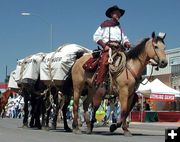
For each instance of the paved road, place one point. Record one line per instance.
(10, 131)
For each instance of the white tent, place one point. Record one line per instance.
(144, 87)
(160, 88)
(157, 87)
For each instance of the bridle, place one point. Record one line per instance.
(155, 47)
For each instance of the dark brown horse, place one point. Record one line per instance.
(125, 82)
(58, 97)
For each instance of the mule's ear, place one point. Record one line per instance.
(153, 35)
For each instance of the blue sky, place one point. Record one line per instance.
(75, 21)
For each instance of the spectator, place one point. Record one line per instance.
(146, 106)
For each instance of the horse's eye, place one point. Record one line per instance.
(156, 47)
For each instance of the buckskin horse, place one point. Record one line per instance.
(125, 82)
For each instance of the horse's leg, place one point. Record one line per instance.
(38, 103)
(64, 110)
(3, 112)
(43, 122)
(32, 101)
(43, 115)
(46, 110)
(1, 109)
(56, 108)
(97, 98)
(77, 92)
(26, 111)
(55, 115)
(132, 100)
(123, 98)
(35, 112)
(86, 104)
(47, 116)
(93, 119)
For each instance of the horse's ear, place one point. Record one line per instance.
(162, 35)
(153, 35)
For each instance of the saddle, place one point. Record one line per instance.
(91, 64)
(117, 61)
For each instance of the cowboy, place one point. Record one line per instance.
(109, 35)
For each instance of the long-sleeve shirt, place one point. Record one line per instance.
(101, 36)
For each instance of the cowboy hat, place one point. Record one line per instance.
(113, 8)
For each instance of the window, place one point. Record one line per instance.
(175, 69)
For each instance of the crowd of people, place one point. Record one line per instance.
(109, 107)
(14, 107)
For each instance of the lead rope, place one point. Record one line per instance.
(149, 76)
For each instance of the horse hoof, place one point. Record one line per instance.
(53, 127)
(68, 129)
(46, 128)
(113, 127)
(38, 126)
(92, 126)
(31, 125)
(24, 126)
(127, 134)
(88, 131)
(77, 131)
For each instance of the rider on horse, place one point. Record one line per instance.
(109, 35)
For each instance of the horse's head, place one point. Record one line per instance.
(156, 49)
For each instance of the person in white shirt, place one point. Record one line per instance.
(109, 35)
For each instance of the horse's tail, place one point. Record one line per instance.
(67, 88)
(79, 54)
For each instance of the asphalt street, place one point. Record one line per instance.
(11, 131)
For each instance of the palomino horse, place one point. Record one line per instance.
(125, 83)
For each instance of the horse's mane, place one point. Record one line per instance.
(138, 49)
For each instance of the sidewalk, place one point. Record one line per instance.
(168, 124)
(154, 126)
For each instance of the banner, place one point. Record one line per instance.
(3, 86)
(162, 97)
